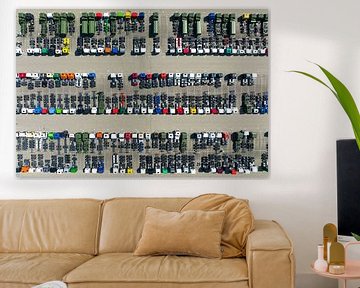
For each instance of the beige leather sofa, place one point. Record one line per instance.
(89, 243)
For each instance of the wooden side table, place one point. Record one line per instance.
(352, 268)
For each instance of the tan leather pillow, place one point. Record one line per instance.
(238, 223)
(195, 233)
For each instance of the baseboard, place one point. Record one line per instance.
(309, 280)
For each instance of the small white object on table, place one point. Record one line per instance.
(52, 284)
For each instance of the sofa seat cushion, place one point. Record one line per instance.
(36, 268)
(242, 284)
(127, 268)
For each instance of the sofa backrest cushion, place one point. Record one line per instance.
(66, 226)
(123, 220)
(238, 224)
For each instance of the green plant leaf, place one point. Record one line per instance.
(357, 137)
(356, 236)
(347, 102)
(344, 97)
(316, 79)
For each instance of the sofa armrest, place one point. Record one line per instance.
(269, 256)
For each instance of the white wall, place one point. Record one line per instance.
(305, 121)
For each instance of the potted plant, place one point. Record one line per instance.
(345, 99)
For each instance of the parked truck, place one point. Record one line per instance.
(155, 24)
(190, 23)
(112, 23)
(91, 18)
(56, 18)
(232, 24)
(43, 24)
(184, 24)
(63, 24)
(22, 22)
(84, 23)
(198, 24)
(70, 17)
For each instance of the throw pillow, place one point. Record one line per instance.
(195, 233)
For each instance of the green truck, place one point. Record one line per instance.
(84, 23)
(184, 23)
(155, 24)
(56, 18)
(232, 24)
(91, 19)
(22, 22)
(43, 24)
(112, 19)
(198, 24)
(63, 24)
